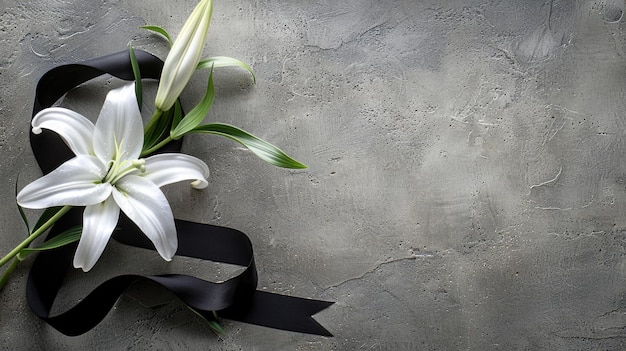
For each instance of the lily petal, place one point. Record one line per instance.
(145, 204)
(99, 221)
(75, 129)
(119, 127)
(76, 182)
(165, 169)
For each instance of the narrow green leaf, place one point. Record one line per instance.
(158, 131)
(159, 30)
(195, 116)
(214, 324)
(178, 114)
(19, 208)
(224, 61)
(24, 219)
(216, 327)
(45, 216)
(261, 148)
(67, 237)
(137, 74)
(151, 132)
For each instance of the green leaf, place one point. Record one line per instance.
(224, 61)
(213, 323)
(137, 74)
(178, 114)
(157, 131)
(45, 216)
(159, 30)
(24, 219)
(67, 237)
(195, 116)
(216, 327)
(19, 208)
(261, 148)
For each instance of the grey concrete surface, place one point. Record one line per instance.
(466, 186)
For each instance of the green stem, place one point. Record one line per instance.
(156, 147)
(7, 273)
(34, 235)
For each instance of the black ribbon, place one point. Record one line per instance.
(236, 299)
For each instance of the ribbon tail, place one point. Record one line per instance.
(280, 312)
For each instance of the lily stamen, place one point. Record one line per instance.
(140, 164)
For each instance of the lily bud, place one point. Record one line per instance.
(184, 56)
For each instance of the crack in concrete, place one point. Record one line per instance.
(549, 181)
(374, 269)
(592, 337)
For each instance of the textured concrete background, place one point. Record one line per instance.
(467, 182)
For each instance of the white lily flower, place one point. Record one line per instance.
(184, 56)
(107, 175)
